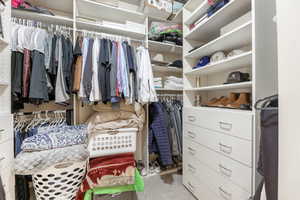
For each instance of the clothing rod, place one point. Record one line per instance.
(109, 35)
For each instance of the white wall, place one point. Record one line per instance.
(288, 18)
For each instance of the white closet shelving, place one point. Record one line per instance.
(59, 20)
(225, 15)
(6, 119)
(247, 84)
(235, 62)
(221, 145)
(161, 47)
(236, 38)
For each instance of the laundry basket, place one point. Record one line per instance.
(59, 182)
(112, 142)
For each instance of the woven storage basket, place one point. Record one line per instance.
(112, 142)
(59, 182)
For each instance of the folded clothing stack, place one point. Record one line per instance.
(173, 82)
(157, 82)
(50, 147)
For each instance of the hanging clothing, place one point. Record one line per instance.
(41, 66)
(147, 91)
(159, 141)
(111, 70)
(268, 158)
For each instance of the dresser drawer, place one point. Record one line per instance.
(196, 187)
(6, 128)
(235, 148)
(224, 166)
(223, 188)
(230, 122)
(7, 168)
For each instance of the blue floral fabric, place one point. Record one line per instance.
(54, 138)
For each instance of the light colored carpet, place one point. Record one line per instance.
(168, 187)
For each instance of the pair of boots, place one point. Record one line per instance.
(234, 101)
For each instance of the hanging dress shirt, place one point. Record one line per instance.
(95, 92)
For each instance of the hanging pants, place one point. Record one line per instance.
(268, 161)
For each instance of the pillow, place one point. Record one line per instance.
(56, 138)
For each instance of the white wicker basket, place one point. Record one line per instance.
(112, 142)
(59, 182)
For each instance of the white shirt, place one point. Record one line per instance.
(85, 44)
(95, 92)
(147, 92)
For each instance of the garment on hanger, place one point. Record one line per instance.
(41, 65)
(112, 69)
(166, 130)
(268, 156)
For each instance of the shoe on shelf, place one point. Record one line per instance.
(243, 102)
(229, 100)
(211, 102)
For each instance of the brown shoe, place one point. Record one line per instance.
(220, 102)
(231, 99)
(212, 101)
(244, 99)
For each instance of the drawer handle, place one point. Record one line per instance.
(191, 118)
(191, 134)
(225, 148)
(225, 171)
(1, 159)
(225, 126)
(226, 195)
(2, 131)
(192, 151)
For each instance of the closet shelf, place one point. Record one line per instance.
(227, 14)
(198, 13)
(59, 20)
(242, 85)
(110, 30)
(164, 69)
(237, 38)
(168, 90)
(103, 11)
(232, 63)
(161, 47)
(239, 111)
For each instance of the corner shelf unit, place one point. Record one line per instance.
(221, 145)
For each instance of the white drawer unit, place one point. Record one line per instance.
(7, 168)
(235, 148)
(6, 127)
(222, 188)
(195, 186)
(234, 123)
(224, 166)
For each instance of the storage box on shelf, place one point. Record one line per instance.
(220, 144)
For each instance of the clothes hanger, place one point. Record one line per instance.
(263, 104)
